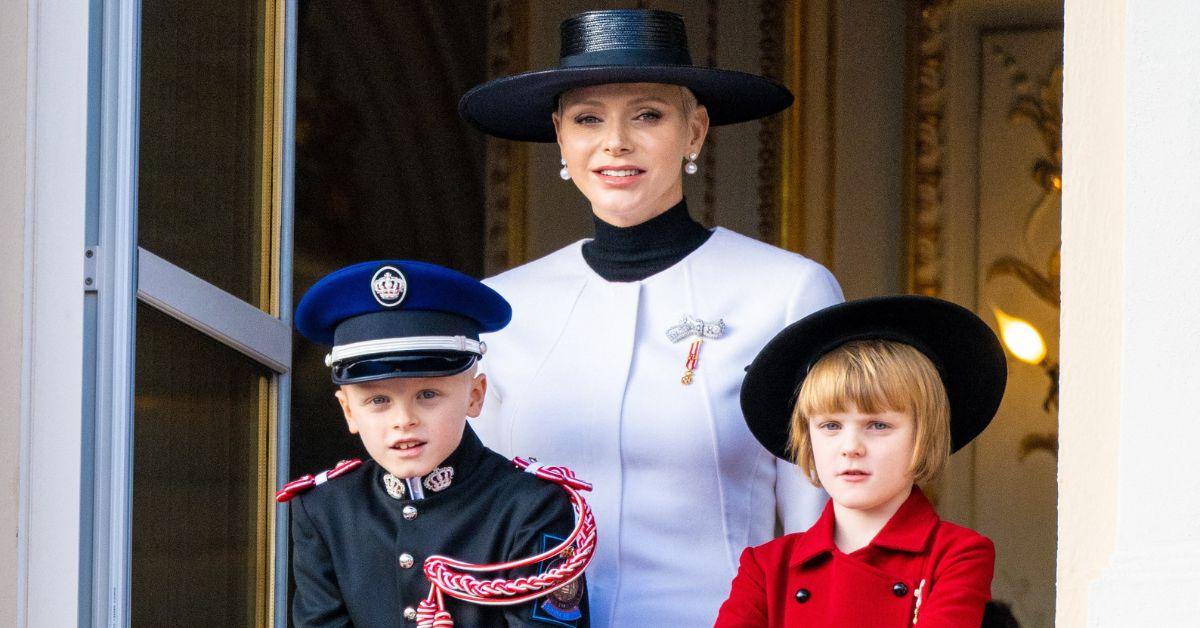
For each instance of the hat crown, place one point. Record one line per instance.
(658, 33)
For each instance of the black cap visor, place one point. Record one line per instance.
(421, 364)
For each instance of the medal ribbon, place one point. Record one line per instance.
(692, 360)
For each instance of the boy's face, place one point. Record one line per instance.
(410, 425)
(862, 459)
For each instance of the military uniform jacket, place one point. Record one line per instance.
(804, 580)
(349, 536)
(586, 376)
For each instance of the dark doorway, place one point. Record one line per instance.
(384, 166)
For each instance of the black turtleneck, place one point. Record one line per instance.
(634, 253)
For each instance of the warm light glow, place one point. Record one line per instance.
(1021, 339)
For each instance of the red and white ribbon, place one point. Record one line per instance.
(306, 482)
(693, 359)
(448, 576)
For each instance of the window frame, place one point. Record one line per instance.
(123, 274)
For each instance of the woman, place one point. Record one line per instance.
(626, 352)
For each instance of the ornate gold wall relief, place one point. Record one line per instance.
(508, 161)
(982, 198)
(927, 103)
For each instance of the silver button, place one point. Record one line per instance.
(406, 560)
(409, 512)
(410, 613)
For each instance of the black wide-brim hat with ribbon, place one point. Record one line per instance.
(617, 46)
(967, 354)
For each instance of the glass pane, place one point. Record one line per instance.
(200, 502)
(200, 184)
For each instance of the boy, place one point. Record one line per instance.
(405, 342)
(869, 398)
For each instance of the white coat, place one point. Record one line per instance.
(586, 377)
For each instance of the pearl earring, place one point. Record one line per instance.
(566, 176)
(690, 167)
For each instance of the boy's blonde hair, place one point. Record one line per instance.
(873, 376)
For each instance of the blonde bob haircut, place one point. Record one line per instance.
(873, 376)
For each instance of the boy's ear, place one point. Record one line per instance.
(344, 401)
(477, 394)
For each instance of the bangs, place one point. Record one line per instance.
(866, 376)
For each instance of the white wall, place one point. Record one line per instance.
(1092, 298)
(1128, 524)
(52, 374)
(13, 25)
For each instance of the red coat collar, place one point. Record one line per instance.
(908, 530)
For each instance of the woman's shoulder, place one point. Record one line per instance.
(760, 267)
(565, 264)
(728, 244)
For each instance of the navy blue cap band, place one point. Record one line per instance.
(401, 324)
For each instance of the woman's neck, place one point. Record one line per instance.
(854, 528)
(634, 253)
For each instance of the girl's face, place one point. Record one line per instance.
(863, 460)
(625, 146)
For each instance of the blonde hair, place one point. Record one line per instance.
(873, 376)
(688, 101)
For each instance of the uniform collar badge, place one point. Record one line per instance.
(394, 486)
(439, 479)
(389, 286)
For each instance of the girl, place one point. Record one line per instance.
(887, 389)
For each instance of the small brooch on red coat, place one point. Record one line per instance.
(307, 482)
(688, 327)
(918, 594)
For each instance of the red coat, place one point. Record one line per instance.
(802, 579)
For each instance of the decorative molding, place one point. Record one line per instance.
(792, 138)
(831, 150)
(782, 167)
(506, 183)
(770, 45)
(927, 135)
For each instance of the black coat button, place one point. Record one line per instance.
(899, 589)
(802, 595)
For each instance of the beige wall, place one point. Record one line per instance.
(1093, 218)
(13, 25)
(1128, 546)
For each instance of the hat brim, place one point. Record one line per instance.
(969, 358)
(399, 365)
(519, 107)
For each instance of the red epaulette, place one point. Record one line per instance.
(304, 483)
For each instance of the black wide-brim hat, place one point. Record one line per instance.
(617, 46)
(967, 354)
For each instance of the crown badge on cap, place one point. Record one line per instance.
(389, 286)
